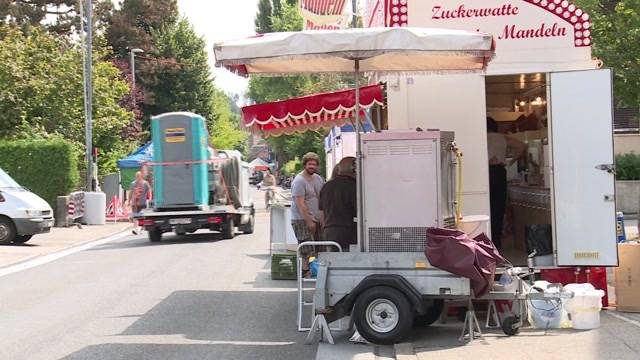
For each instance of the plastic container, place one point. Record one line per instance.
(584, 308)
(95, 208)
(547, 313)
(283, 266)
(474, 225)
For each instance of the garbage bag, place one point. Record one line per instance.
(454, 251)
(538, 238)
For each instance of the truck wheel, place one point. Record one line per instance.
(7, 231)
(249, 227)
(383, 315)
(432, 315)
(228, 229)
(155, 235)
(21, 239)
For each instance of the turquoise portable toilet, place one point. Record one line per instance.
(180, 177)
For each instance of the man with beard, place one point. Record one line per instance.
(339, 205)
(305, 212)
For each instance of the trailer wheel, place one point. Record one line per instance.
(155, 235)
(228, 229)
(432, 315)
(249, 227)
(383, 315)
(509, 325)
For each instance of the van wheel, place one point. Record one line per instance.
(7, 231)
(383, 315)
(21, 239)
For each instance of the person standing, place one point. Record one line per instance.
(139, 193)
(497, 149)
(268, 182)
(339, 205)
(305, 211)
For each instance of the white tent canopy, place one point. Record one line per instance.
(357, 50)
(378, 49)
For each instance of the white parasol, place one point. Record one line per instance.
(387, 50)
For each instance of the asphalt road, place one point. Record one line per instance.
(190, 297)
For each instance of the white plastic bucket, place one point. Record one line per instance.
(584, 308)
(474, 225)
(94, 208)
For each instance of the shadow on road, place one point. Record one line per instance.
(167, 239)
(212, 325)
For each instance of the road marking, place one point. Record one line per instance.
(60, 254)
(624, 318)
(182, 340)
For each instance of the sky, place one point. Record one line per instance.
(218, 20)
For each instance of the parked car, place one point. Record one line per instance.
(22, 213)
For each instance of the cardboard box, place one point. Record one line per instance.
(627, 278)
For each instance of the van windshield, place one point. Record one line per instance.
(7, 182)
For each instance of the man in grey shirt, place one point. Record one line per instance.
(306, 216)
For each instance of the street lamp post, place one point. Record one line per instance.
(132, 61)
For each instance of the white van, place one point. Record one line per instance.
(22, 213)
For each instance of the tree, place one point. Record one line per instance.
(263, 17)
(616, 41)
(225, 129)
(41, 92)
(177, 76)
(131, 26)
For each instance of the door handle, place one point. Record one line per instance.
(610, 168)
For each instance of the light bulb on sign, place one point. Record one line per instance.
(522, 103)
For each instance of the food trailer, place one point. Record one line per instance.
(387, 281)
(544, 88)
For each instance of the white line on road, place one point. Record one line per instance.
(181, 340)
(624, 318)
(60, 254)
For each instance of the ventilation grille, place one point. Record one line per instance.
(397, 239)
(421, 149)
(450, 223)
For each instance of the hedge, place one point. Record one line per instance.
(49, 168)
(628, 167)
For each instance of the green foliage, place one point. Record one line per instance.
(224, 127)
(49, 168)
(266, 89)
(41, 91)
(131, 26)
(616, 40)
(628, 167)
(292, 167)
(180, 78)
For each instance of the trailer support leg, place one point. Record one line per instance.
(319, 325)
(493, 320)
(471, 324)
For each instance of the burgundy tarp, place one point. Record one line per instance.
(454, 251)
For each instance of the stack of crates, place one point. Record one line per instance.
(283, 266)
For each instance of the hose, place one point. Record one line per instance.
(458, 196)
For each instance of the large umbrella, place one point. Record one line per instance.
(387, 50)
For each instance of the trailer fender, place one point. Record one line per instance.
(391, 280)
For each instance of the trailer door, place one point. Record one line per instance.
(582, 163)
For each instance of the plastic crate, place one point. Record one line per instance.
(283, 266)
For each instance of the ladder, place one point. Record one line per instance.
(307, 287)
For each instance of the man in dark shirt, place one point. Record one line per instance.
(339, 205)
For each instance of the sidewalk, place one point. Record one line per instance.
(56, 240)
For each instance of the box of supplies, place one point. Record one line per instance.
(627, 278)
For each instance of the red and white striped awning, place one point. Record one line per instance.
(312, 112)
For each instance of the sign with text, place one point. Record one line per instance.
(525, 31)
(324, 14)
